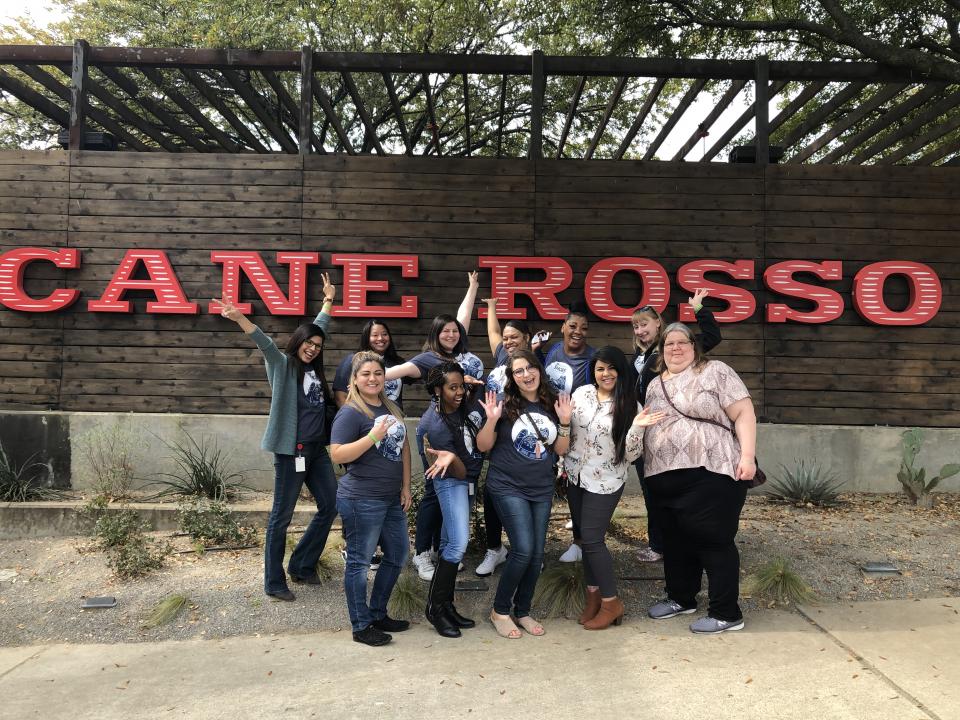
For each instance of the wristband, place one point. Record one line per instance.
(697, 308)
(373, 439)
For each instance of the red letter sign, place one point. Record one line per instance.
(505, 287)
(263, 282)
(829, 304)
(598, 286)
(163, 283)
(742, 304)
(12, 265)
(356, 285)
(926, 293)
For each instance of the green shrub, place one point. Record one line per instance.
(201, 471)
(212, 523)
(107, 453)
(560, 590)
(138, 556)
(913, 479)
(23, 483)
(805, 484)
(114, 529)
(777, 581)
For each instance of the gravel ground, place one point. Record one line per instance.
(41, 602)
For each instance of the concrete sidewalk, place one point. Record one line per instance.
(896, 660)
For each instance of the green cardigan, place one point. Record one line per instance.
(281, 434)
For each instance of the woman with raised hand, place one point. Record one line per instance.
(698, 461)
(448, 432)
(606, 435)
(647, 325)
(446, 342)
(370, 439)
(375, 336)
(297, 434)
(525, 432)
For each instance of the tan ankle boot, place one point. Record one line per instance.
(591, 606)
(611, 612)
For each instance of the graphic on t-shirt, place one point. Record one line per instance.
(312, 388)
(391, 447)
(471, 364)
(560, 376)
(392, 388)
(638, 362)
(497, 379)
(525, 439)
(476, 419)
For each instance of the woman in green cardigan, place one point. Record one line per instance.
(297, 434)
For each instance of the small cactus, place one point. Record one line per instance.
(913, 479)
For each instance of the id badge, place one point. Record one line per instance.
(299, 462)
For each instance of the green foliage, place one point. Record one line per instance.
(409, 597)
(560, 590)
(107, 454)
(211, 523)
(201, 471)
(914, 479)
(138, 556)
(114, 529)
(416, 493)
(165, 611)
(805, 483)
(92, 510)
(23, 483)
(330, 564)
(776, 581)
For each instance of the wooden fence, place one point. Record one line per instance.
(449, 212)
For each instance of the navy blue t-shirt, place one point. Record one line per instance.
(426, 361)
(311, 410)
(567, 372)
(521, 465)
(443, 437)
(393, 389)
(378, 473)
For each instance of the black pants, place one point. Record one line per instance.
(493, 528)
(699, 512)
(592, 513)
(654, 533)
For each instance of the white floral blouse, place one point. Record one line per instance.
(589, 462)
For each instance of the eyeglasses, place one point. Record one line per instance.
(312, 344)
(520, 372)
(682, 344)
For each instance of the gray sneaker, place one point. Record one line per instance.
(712, 626)
(668, 609)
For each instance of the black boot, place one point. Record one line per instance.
(459, 620)
(441, 587)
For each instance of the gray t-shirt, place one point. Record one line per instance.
(378, 473)
(520, 464)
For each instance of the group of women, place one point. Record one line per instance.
(568, 408)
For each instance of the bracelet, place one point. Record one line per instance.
(563, 431)
(564, 425)
(373, 438)
(327, 302)
(697, 308)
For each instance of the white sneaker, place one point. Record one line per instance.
(424, 565)
(573, 554)
(491, 560)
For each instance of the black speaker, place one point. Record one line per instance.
(748, 154)
(91, 140)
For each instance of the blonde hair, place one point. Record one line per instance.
(651, 312)
(355, 399)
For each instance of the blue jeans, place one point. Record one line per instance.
(429, 519)
(322, 484)
(364, 522)
(526, 524)
(455, 506)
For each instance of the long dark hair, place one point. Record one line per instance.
(624, 397)
(390, 355)
(300, 336)
(436, 379)
(433, 337)
(513, 400)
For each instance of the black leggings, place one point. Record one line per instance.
(592, 513)
(493, 528)
(699, 512)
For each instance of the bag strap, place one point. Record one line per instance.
(536, 429)
(691, 417)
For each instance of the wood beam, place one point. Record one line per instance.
(328, 110)
(685, 101)
(607, 113)
(809, 92)
(220, 137)
(500, 113)
(571, 113)
(213, 97)
(738, 124)
(295, 110)
(397, 111)
(78, 93)
(645, 109)
(255, 103)
(466, 112)
(432, 115)
(761, 138)
(38, 102)
(948, 148)
(813, 120)
(368, 127)
(927, 115)
(931, 135)
(538, 88)
(703, 128)
(306, 135)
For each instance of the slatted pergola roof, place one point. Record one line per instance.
(201, 100)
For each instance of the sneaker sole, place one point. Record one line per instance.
(689, 611)
(732, 628)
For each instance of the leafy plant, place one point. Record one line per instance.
(560, 589)
(913, 479)
(113, 529)
(806, 483)
(409, 597)
(23, 483)
(202, 471)
(165, 611)
(108, 457)
(212, 523)
(777, 580)
(137, 556)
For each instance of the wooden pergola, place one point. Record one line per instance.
(205, 100)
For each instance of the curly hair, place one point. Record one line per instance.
(513, 400)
